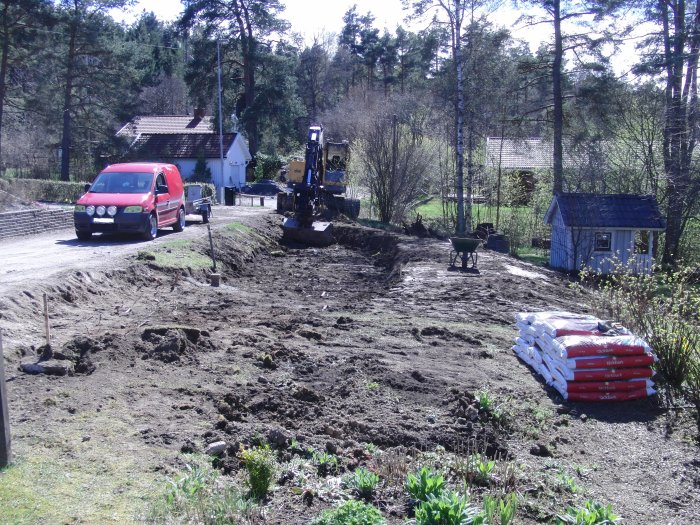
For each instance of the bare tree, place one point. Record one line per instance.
(396, 156)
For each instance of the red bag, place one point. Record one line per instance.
(608, 396)
(610, 374)
(612, 361)
(607, 386)
(569, 347)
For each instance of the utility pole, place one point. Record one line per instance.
(221, 123)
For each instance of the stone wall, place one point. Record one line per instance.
(29, 222)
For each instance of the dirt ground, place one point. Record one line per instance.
(371, 349)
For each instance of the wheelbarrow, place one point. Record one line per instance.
(465, 249)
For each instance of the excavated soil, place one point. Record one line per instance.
(372, 350)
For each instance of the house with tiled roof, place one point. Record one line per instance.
(603, 231)
(182, 140)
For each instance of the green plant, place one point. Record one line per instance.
(351, 512)
(372, 386)
(483, 467)
(447, 508)
(363, 482)
(568, 482)
(424, 484)
(590, 514)
(196, 495)
(325, 463)
(500, 510)
(260, 465)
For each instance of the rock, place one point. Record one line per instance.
(583, 417)
(331, 447)
(461, 421)
(541, 450)
(86, 438)
(471, 413)
(52, 367)
(216, 449)
(418, 376)
(262, 380)
(561, 409)
(431, 419)
(279, 437)
(31, 368)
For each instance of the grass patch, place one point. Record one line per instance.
(63, 478)
(178, 253)
(238, 227)
(534, 256)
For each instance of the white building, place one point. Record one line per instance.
(182, 140)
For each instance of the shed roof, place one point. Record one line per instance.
(182, 145)
(513, 154)
(167, 124)
(590, 210)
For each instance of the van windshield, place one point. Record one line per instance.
(122, 182)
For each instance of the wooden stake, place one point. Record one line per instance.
(5, 451)
(46, 320)
(211, 245)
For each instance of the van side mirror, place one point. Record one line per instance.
(87, 187)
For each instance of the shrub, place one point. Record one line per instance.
(260, 465)
(424, 484)
(46, 190)
(662, 308)
(351, 512)
(363, 482)
(448, 508)
(590, 514)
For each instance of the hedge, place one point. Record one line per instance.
(64, 192)
(46, 190)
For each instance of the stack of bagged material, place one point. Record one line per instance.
(584, 358)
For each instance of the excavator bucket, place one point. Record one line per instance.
(318, 234)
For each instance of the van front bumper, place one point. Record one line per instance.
(120, 223)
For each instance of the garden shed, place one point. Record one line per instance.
(600, 231)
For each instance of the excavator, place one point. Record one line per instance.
(318, 185)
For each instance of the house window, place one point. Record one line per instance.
(603, 241)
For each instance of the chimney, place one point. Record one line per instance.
(199, 113)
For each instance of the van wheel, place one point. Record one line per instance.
(180, 224)
(83, 236)
(205, 215)
(152, 230)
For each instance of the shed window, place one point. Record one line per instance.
(603, 241)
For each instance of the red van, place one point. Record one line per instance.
(136, 197)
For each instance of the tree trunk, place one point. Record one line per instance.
(557, 153)
(248, 51)
(67, 106)
(3, 67)
(681, 119)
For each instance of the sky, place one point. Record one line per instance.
(312, 18)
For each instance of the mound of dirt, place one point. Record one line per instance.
(174, 344)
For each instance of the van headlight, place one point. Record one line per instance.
(90, 210)
(133, 209)
(112, 211)
(79, 208)
(100, 210)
